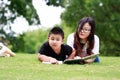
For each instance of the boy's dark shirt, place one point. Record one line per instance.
(66, 50)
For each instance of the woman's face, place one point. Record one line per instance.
(85, 31)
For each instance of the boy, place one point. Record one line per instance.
(5, 51)
(54, 50)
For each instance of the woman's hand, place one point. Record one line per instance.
(89, 60)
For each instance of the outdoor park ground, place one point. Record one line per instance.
(27, 67)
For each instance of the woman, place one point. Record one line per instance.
(84, 40)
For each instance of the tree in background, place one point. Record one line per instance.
(106, 15)
(12, 9)
(9, 11)
(34, 39)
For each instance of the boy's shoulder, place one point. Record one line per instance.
(45, 44)
(66, 46)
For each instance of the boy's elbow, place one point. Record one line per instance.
(39, 57)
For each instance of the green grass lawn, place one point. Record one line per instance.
(27, 67)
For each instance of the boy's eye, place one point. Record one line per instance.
(57, 39)
(52, 39)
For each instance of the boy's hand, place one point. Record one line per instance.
(53, 61)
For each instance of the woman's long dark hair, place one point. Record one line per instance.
(77, 45)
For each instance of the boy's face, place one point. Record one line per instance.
(55, 41)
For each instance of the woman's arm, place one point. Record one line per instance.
(95, 49)
(72, 55)
(89, 60)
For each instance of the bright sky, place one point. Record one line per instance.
(49, 16)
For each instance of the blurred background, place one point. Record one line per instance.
(24, 24)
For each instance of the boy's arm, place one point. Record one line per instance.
(45, 58)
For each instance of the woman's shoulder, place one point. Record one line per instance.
(70, 36)
(96, 37)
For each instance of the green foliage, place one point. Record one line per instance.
(74, 12)
(67, 31)
(27, 67)
(106, 15)
(9, 11)
(26, 9)
(17, 43)
(34, 39)
(12, 9)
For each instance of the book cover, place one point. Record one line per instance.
(73, 61)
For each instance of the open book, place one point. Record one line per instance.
(72, 61)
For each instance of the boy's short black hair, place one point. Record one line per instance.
(57, 30)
